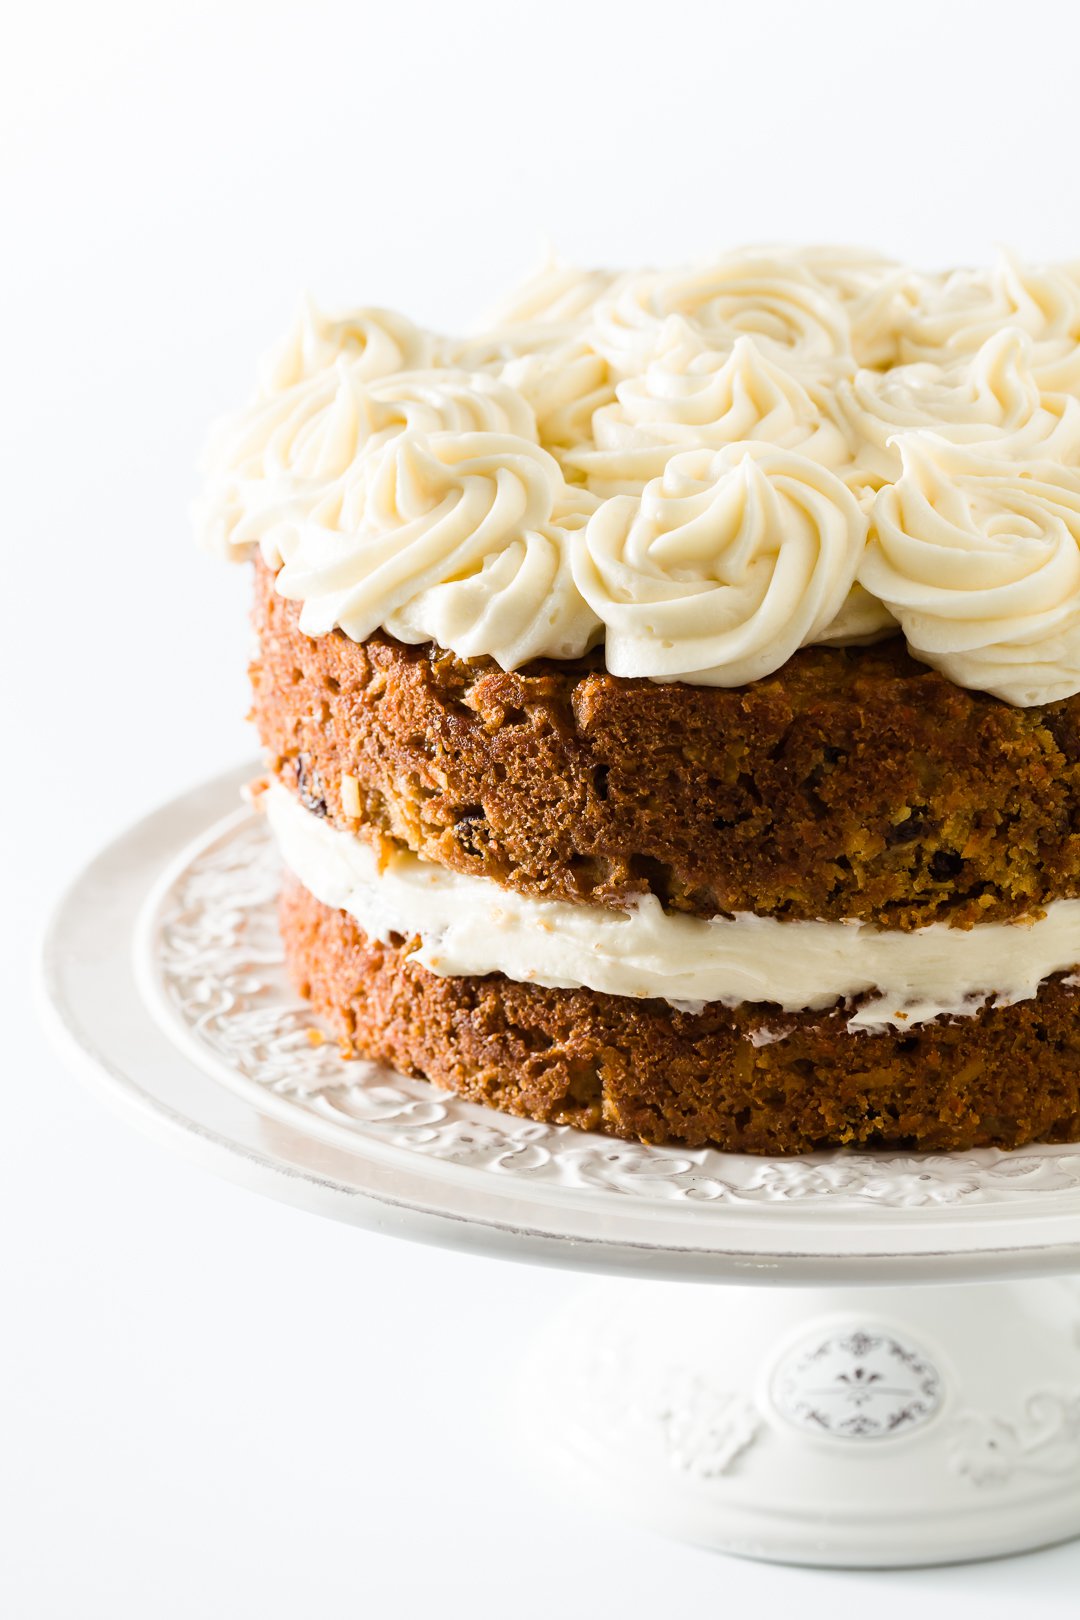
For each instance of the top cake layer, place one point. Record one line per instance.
(704, 470)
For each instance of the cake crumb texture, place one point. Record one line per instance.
(854, 782)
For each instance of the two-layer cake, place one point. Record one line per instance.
(669, 695)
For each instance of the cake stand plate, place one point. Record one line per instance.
(868, 1416)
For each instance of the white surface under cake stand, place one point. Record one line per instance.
(916, 1399)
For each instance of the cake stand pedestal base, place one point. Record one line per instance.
(853, 1427)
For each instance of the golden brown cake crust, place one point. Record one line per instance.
(852, 783)
(1003, 1076)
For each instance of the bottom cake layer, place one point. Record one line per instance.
(748, 1079)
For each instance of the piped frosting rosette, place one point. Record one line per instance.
(460, 538)
(730, 562)
(876, 294)
(269, 465)
(980, 563)
(545, 320)
(565, 386)
(694, 396)
(772, 299)
(956, 313)
(556, 293)
(377, 341)
(990, 398)
(537, 342)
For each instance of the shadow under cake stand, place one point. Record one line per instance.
(845, 1409)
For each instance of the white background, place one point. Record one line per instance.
(214, 1406)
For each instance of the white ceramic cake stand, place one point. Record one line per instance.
(878, 1414)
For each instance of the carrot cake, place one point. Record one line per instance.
(671, 695)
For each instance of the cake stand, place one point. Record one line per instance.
(849, 1358)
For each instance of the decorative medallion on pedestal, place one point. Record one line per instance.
(856, 1384)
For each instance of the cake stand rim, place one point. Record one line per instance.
(229, 1136)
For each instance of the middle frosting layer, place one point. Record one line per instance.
(470, 926)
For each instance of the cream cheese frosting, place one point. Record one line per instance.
(767, 296)
(693, 397)
(726, 565)
(270, 467)
(955, 314)
(465, 925)
(566, 386)
(378, 341)
(459, 538)
(980, 563)
(990, 399)
(525, 491)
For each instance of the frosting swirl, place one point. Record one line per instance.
(268, 466)
(876, 294)
(769, 298)
(461, 538)
(378, 341)
(957, 313)
(565, 386)
(692, 396)
(729, 563)
(980, 563)
(547, 315)
(557, 292)
(989, 399)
